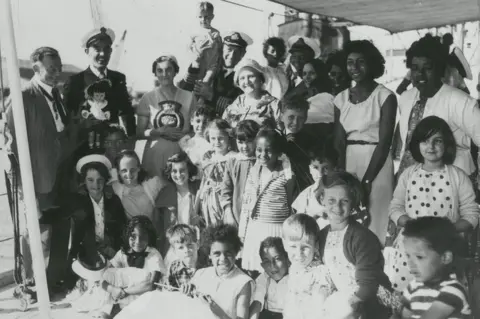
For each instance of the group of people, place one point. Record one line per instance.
(259, 189)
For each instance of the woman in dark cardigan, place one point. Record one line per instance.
(351, 252)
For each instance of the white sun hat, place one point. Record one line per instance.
(91, 159)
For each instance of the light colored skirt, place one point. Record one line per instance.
(257, 231)
(358, 159)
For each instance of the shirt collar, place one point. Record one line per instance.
(97, 73)
(100, 203)
(228, 71)
(43, 85)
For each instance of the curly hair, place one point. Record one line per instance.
(142, 174)
(164, 58)
(431, 48)
(272, 242)
(246, 130)
(337, 58)
(278, 44)
(179, 158)
(144, 224)
(277, 142)
(373, 57)
(222, 233)
(425, 129)
(347, 180)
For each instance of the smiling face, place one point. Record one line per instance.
(249, 81)
(165, 73)
(309, 74)
(49, 69)
(425, 76)
(317, 169)
(95, 183)
(246, 147)
(179, 173)
(294, 120)
(298, 60)
(199, 123)
(264, 152)
(99, 54)
(425, 263)
(272, 55)
(232, 55)
(138, 240)
(205, 18)
(128, 170)
(357, 67)
(218, 140)
(301, 252)
(338, 204)
(222, 256)
(337, 76)
(274, 263)
(433, 148)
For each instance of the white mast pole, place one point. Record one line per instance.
(24, 161)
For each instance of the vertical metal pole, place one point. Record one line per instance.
(25, 164)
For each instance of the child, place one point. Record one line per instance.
(271, 286)
(308, 282)
(431, 246)
(276, 78)
(135, 268)
(218, 134)
(182, 259)
(197, 146)
(115, 141)
(182, 172)
(206, 45)
(323, 160)
(293, 116)
(434, 187)
(236, 172)
(351, 252)
(269, 193)
(130, 183)
(224, 286)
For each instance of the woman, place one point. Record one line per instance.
(430, 96)
(365, 122)
(337, 72)
(162, 140)
(255, 103)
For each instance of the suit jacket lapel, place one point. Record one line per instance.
(42, 105)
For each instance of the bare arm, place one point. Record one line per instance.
(340, 138)
(255, 309)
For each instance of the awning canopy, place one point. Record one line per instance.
(393, 15)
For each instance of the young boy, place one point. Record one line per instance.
(182, 258)
(293, 116)
(205, 46)
(197, 146)
(322, 161)
(431, 246)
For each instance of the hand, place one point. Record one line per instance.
(118, 293)
(202, 89)
(266, 99)
(214, 307)
(188, 289)
(173, 215)
(403, 220)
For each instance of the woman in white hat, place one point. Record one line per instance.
(255, 103)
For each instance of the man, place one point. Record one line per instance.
(302, 50)
(50, 135)
(224, 90)
(98, 47)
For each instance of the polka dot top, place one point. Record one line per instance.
(429, 194)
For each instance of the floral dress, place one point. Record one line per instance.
(209, 193)
(428, 194)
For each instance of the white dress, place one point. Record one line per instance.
(358, 156)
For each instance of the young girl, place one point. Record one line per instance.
(137, 193)
(431, 245)
(272, 285)
(276, 78)
(322, 161)
(218, 134)
(434, 187)
(269, 193)
(351, 252)
(225, 287)
(136, 266)
(236, 172)
(308, 283)
(182, 172)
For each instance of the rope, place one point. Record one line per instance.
(2, 88)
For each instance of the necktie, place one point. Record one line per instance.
(57, 104)
(416, 116)
(136, 259)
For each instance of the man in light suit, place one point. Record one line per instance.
(49, 137)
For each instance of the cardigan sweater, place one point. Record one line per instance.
(362, 248)
(464, 205)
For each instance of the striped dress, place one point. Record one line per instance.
(264, 209)
(419, 297)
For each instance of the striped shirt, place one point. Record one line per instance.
(418, 297)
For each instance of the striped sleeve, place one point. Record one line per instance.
(454, 295)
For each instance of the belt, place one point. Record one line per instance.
(356, 142)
